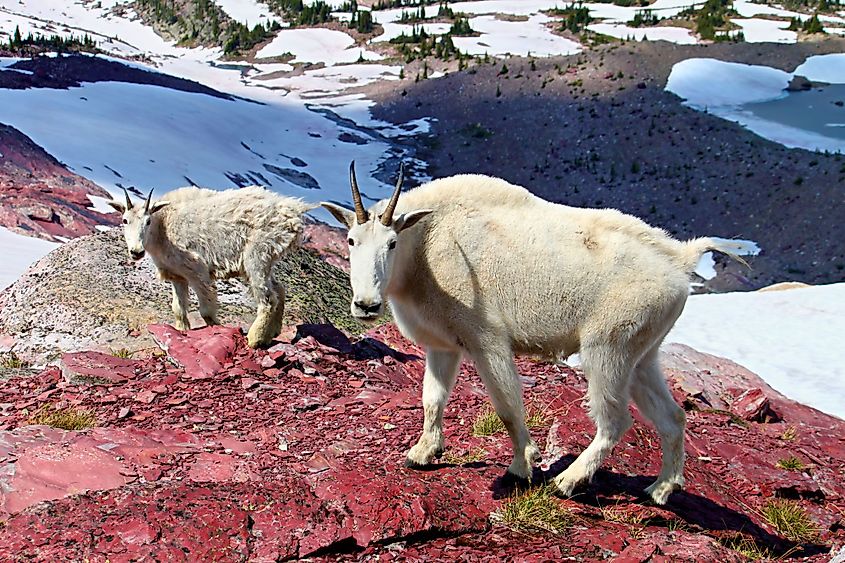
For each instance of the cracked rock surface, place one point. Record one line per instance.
(208, 450)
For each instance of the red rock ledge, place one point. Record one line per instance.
(212, 451)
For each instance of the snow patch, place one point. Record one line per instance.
(500, 38)
(677, 35)
(824, 68)
(248, 12)
(702, 83)
(316, 45)
(776, 334)
(19, 252)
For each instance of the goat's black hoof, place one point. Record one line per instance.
(411, 464)
(513, 481)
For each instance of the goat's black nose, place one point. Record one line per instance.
(368, 307)
(137, 255)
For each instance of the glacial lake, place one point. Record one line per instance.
(813, 110)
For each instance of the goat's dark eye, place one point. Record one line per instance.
(392, 245)
(351, 242)
(125, 221)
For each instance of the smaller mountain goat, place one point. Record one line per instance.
(474, 265)
(196, 236)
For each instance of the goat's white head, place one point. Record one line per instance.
(373, 244)
(136, 222)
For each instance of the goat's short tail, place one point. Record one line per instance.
(735, 248)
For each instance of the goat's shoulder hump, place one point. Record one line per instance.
(470, 191)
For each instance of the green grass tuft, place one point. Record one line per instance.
(790, 520)
(121, 353)
(747, 547)
(10, 360)
(66, 419)
(536, 510)
(790, 463)
(536, 417)
(487, 423)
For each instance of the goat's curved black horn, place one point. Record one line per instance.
(149, 198)
(360, 212)
(387, 216)
(128, 201)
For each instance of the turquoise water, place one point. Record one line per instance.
(813, 110)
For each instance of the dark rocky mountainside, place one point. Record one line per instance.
(207, 450)
(39, 197)
(598, 130)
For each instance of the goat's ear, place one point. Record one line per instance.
(407, 220)
(117, 206)
(343, 215)
(158, 206)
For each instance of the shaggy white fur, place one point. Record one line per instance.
(196, 236)
(491, 271)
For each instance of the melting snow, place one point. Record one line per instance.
(790, 338)
(19, 252)
(702, 84)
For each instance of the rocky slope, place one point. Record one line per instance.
(40, 197)
(598, 130)
(88, 294)
(209, 450)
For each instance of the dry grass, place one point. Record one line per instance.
(747, 547)
(66, 419)
(790, 520)
(488, 423)
(622, 516)
(789, 434)
(122, 353)
(790, 463)
(476, 454)
(536, 417)
(534, 510)
(10, 360)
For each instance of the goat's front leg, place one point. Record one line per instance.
(441, 370)
(498, 372)
(180, 303)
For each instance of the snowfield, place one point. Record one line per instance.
(17, 252)
(790, 338)
(677, 35)
(248, 12)
(151, 137)
(316, 45)
(529, 38)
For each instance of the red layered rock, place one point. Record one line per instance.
(39, 196)
(297, 451)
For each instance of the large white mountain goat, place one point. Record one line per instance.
(196, 236)
(474, 265)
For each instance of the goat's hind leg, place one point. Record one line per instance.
(441, 370)
(655, 402)
(258, 265)
(498, 372)
(180, 303)
(274, 326)
(207, 297)
(608, 374)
